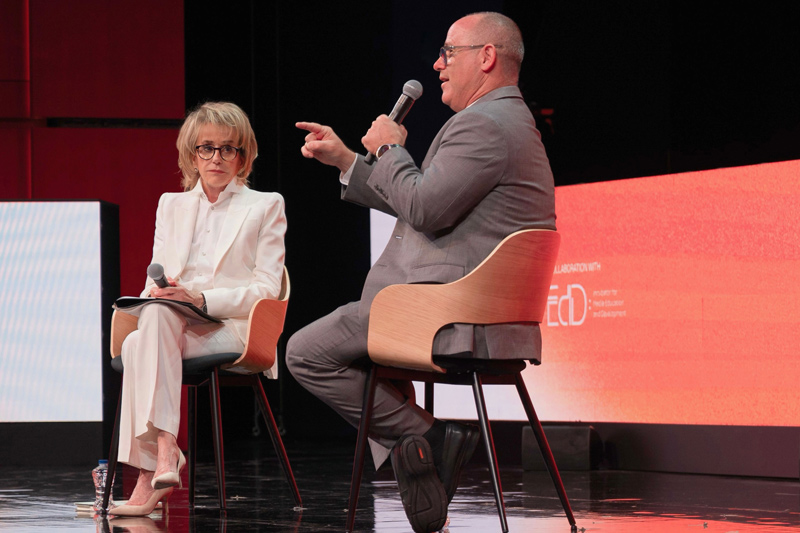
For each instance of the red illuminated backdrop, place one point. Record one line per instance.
(676, 300)
(90, 97)
(94, 63)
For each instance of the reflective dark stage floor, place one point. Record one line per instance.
(260, 500)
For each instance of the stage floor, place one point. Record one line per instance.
(34, 500)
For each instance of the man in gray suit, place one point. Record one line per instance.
(485, 176)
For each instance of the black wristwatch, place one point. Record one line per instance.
(385, 148)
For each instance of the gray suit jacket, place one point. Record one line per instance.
(485, 176)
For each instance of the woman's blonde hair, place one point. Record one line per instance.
(223, 114)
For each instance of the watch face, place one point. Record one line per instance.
(384, 148)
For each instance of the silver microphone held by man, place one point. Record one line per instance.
(411, 91)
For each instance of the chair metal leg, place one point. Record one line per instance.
(488, 442)
(361, 446)
(429, 396)
(216, 420)
(544, 446)
(112, 456)
(191, 429)
(275, 435)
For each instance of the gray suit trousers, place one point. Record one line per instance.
(320, 357)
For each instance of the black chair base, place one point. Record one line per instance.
(197, 372)
(475, 375)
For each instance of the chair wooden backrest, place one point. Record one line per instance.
(510, 285)
(264, 328)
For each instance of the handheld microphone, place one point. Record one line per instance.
(411, 91)
(156, 273)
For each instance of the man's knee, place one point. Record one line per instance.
(326, 345)
(306, 359)
(292, 357)
(298, 357)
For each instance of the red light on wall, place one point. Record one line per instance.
(676, 299)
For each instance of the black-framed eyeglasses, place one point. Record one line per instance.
(446, 52)
(226, 152)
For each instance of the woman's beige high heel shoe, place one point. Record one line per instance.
(147, 507)
(171, 478)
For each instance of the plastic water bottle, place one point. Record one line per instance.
(99, 475)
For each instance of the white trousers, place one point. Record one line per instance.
(151, 382)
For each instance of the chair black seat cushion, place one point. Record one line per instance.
(495, 367)
(196, 365)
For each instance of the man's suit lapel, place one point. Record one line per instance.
(237, 212)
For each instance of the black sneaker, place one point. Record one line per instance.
(460, 441)
(424, 498)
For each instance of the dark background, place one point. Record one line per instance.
(92, 94)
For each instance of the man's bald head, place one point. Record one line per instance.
(498, 29)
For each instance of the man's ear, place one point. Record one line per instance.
(488, 58)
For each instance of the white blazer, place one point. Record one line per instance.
(248, 260)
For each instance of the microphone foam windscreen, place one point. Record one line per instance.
(155, 271)
(412, 89)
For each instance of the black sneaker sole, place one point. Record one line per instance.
(423, 495)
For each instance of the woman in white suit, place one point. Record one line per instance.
(222, 249)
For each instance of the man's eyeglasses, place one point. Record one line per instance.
(446, 52)
(226, 152)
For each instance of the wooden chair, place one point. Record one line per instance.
(238, 369)
(511, 285)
